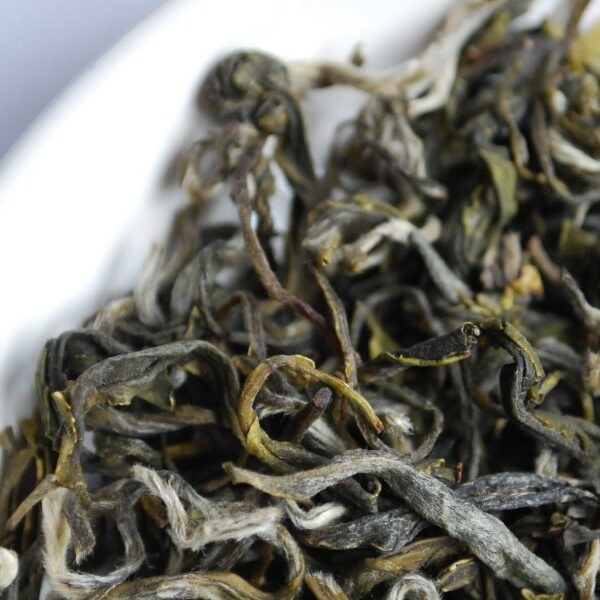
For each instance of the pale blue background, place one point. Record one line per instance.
(45, 44)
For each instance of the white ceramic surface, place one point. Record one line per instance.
(90, 186)
(63, 37)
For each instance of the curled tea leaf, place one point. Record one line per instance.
(491, 541)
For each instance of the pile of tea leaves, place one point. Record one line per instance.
(395, 396)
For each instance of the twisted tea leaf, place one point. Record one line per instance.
(491, 541)
(413, 586)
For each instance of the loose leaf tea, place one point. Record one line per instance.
(394, 396)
